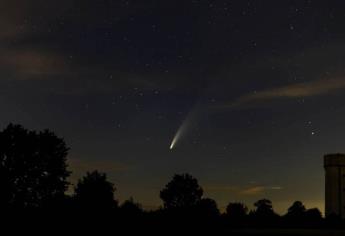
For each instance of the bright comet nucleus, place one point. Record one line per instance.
(182, 129)
(172, 145)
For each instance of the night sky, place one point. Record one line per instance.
(254, 91)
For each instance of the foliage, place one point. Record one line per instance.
(33, 174)
(236, 210)
(33, 168)
(182, 191)
(95, 191)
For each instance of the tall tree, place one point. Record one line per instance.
(182, 191)
(264, 214)
(313, 216)
(131, 208)
(236, 211)
(296, 210)
(94, 191)
(208, 207)
(33, 169)
(264, 207)
(296, 215)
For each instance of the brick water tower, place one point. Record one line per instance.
(335, 184)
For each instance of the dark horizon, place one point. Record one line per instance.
(34, 176)
(247, 96)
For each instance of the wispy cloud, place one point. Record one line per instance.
(297, 90)
(244, 190)
(60, 69)
(26, 64)
(256, 190)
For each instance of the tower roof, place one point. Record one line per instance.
(336, 159)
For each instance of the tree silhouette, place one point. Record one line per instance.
(183, 191)
(32, 167)
(131, 208)
(296, 211)
(313, 217)
(296, 214)
(95, 192)
(236, 211)
(264, 207)
(264, 214)
(208, 207)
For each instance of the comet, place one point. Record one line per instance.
(190, 119)
(172, 145)
(179, 132)
(176, 137)
(297, 90)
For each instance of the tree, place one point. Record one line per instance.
(131, 208)
(236, 211)
(208, 207)
(183, 191)
(296, 214)
(95, 192)
(263, 207)
(313, 216)
(33, 169)
(296, 211)
(264, 213)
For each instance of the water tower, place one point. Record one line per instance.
(335, 184)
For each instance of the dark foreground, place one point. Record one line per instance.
(287, 232)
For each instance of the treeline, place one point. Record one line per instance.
(34, 178)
